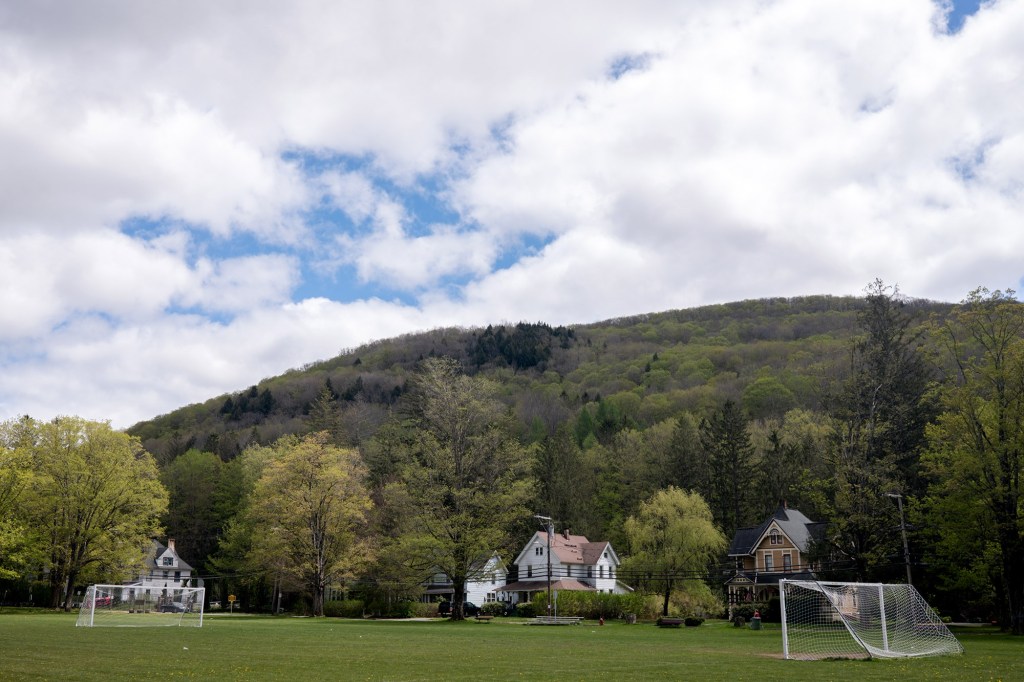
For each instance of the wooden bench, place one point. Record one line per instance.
(556, 620)
(669, 622)
(484, 619)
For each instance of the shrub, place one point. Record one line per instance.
(595, 605)
(527, 609)
(747, 610)
(695, 599)
(349, 608)
(494, 608)
(692, 621)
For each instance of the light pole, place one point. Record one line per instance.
(548, 529)
(903, 532)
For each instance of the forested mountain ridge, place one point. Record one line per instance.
(768, 354)
(434, 449)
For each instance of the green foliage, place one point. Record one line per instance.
(93, 503)
(672, 534)
(592, 605)
(346, 608)
(462, 482)
(976, 453)
(730, 459)
(308, 512)
(493, 608)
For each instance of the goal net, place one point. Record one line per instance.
(136, 606)
(859, 620)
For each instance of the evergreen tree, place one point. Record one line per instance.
(729, 455)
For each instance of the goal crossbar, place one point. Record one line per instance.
(858, 620)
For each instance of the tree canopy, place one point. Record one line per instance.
(672, 538)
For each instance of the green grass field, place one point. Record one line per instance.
(47, 646)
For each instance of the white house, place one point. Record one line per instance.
(576, 564)
(164, 569)
(485, 576)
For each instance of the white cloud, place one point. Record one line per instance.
(754, 148)
(126, 373)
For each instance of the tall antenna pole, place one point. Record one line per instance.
(549, 529)
(903, 531)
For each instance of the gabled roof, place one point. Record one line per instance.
(798, 528)
(479, 568)
(571, 549)
(157, 551)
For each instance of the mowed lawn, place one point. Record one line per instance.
(46, 646)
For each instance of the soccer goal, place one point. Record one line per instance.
(136, 606)
(859, 620)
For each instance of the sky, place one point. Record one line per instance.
(195, 196)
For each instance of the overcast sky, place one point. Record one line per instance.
(195, 196)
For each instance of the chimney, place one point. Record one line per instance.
(170, 544)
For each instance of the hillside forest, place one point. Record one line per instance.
(363, 474)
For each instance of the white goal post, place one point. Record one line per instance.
(137, 606)
(859, 620)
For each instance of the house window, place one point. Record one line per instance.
(166, 574)
(769, 562)
(590, 571)
(787, 562)
(529, 571)
(601, 571)
(177, 576)
(776, 539)
(168, 561)
(568, 570)
(539, 551)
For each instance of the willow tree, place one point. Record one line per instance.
(672, 540)
(309, 510)
(976, 448)
(95, 502)
(463, 481)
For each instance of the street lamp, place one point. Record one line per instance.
(903, 532)
(548, 529)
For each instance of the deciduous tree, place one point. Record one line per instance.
(464, 479)
(672, 539)
(96, 500)
(309, 507)
(977, 445)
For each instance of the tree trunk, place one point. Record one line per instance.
(668, 593)
(458, 598)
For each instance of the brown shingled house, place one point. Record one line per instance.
(777, 548)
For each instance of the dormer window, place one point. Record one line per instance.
(539, 551)
(776, 539)
(168, 561)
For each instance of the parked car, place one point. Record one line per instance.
(468, 608)
(214, 604)
(172, 607)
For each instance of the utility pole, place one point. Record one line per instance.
(903, 532)
(548, 529)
